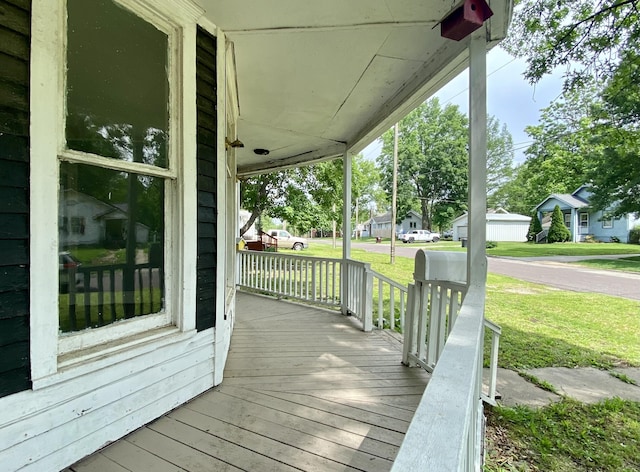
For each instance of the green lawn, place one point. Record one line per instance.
(627, 264)
(562, 249)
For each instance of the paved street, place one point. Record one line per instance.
(552, 271)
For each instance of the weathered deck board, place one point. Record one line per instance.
(304, 389)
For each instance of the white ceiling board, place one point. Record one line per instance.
(370, 92)
(316, 77)
(279, 83)
(240, 15)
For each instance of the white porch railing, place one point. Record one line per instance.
(444, 334)
(446, 432)
(443, 325)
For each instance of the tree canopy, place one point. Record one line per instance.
(432, 163)
(583, 36)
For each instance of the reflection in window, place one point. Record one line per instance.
(117, 84)
(112, 220)
(119, 255)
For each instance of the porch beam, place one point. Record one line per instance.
(346, 224)
(476, 251)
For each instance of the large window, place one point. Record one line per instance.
(116, 169)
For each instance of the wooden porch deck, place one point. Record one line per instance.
(304, 389)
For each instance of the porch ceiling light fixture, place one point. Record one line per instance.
(465, 19)
(261, 151)
(234, 144)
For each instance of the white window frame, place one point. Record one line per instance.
(607, 221)
(567, 219)
(584, 218)
(176, 18)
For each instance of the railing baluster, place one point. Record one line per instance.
(100, 297)
(140, 290)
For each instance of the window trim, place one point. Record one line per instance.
(178, 19)
(607, 222)
(584, 229)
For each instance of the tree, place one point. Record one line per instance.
(535, 227)
(615, 173)
(432, 163)
(499, 159)
(558, 232)
(559, 158)
(582, 35)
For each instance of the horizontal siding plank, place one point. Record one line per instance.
(206, 199)
(14, 356)
(16, 16)
(14, 226)
(14, 252)
(14, 44)
(13, 70)
(14, 174)
(205, 136)
(14, 330)
(206, 41)
(14, 200)
(14, 381)
(14, 278)
(14, 304)
(14, 96)
(14, 122)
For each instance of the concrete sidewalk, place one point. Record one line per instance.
(585, 384)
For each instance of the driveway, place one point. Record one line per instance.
(552, 271)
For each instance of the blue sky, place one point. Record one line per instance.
(510, 98)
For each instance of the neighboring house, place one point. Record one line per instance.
(583, 221)
(501, 226)
(381, 224)
(143, 98)
(86, 221)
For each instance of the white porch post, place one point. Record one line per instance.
(476, 249)
(346, 227)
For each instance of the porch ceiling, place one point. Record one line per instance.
(315, 76)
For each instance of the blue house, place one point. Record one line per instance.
(583, 221)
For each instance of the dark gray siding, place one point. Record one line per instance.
(15, 21)
(207, 198)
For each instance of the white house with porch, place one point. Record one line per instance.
(162, 105)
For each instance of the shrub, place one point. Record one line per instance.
(535, 227)
(558, 232)
(634, 235)
(615, 239)
(491, 244)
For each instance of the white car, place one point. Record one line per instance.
(286, 240)
(420, 235)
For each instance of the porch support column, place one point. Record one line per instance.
(476, 249)
(346, 227)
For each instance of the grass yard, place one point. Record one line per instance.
(544, 327)
(627, 264)
(561, 249)
(566, 436)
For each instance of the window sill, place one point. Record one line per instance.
(91, 359)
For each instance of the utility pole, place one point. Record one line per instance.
(394, 194)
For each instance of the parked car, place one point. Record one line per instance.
(286, 240)
(420, 235)
(67, 265)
